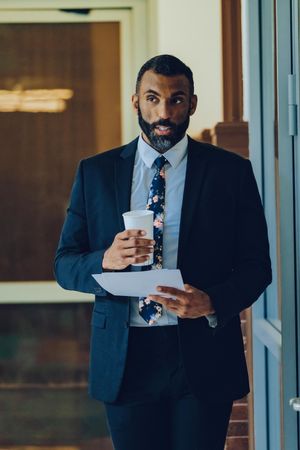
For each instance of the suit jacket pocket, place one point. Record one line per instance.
(98, 320)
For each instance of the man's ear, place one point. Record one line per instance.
(193, 104)
(135, 102)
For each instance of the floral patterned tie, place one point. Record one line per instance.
(149, 310)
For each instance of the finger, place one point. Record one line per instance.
(178, 293)
(172, 308)
(166, 301)
(141, 251)
(126, 234)
(137, 242)
(136, 259)
(189, 288)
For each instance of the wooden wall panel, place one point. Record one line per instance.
(232, 61)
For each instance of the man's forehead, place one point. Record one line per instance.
(152, 81)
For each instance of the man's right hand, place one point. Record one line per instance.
(128, 247)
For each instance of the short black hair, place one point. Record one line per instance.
(167, 65)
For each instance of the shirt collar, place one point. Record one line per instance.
(174, 155)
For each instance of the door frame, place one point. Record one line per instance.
(136, 25)
(292, 367)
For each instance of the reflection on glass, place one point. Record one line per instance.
(273, 305)
(34, 100)
(59, 103)
(277, 321)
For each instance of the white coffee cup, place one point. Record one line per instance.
(140, 219)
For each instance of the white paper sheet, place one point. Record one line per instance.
(139, 284)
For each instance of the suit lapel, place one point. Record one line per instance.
(123, 178)
(195, 173)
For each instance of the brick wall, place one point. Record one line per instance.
(237, 437)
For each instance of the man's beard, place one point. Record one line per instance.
(163, 143)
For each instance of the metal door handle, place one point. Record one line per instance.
(295, 403)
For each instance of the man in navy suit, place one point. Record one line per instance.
(169, 385)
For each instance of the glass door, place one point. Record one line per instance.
(64, 95)
(273, 129)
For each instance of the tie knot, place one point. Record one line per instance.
(160, 162)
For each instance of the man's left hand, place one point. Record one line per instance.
(188, 304)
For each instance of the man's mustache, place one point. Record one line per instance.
(164, 123)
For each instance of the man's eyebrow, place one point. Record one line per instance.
(178, 93)
(174, 94)
(151, 91)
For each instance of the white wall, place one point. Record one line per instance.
(191, 30)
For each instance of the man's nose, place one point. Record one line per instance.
(164, 111)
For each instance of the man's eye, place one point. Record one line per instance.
(151, 98)
(177, 100)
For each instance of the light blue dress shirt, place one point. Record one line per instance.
(143, 174)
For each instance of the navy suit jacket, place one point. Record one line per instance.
(223, 250)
